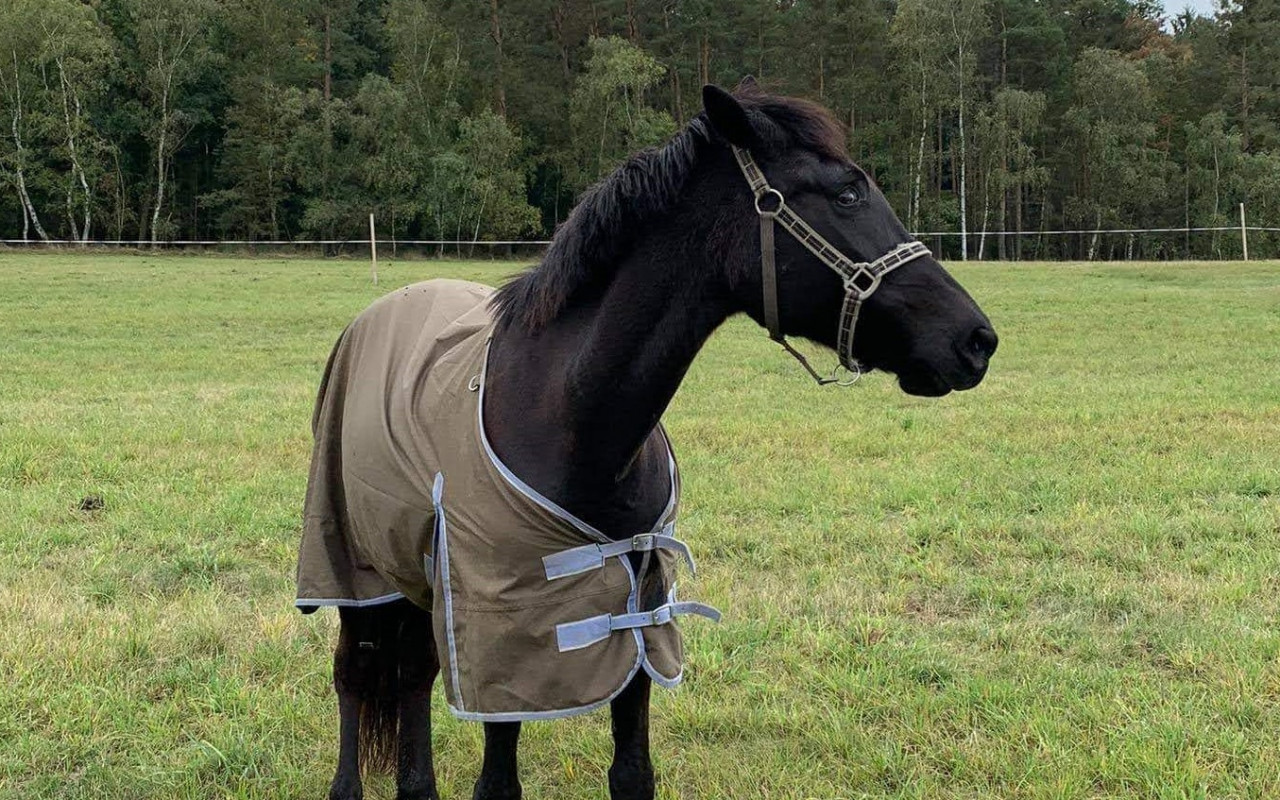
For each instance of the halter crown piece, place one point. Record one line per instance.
(861, 279)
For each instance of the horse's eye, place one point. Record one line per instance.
(848, 196)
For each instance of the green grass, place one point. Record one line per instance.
(1065, 583)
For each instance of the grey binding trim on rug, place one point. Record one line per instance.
(658, 677)
(546, 502)
(663, 680)
(347, 602)
(442, 552)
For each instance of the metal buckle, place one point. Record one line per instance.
(772, 214)
(661, 615)
(644, 542)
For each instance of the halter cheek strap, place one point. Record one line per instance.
(860, 279)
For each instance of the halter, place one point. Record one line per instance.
(861, 279)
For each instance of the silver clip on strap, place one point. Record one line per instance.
(592, 556)
(589, 631)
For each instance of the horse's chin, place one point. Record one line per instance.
(923, 383)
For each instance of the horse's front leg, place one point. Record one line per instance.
(499, 777)
(419, 665)
(631, 776)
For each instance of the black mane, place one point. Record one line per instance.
(603, 225)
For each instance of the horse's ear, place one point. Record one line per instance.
(727, 116)
(748, 84)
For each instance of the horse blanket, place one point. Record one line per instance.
(536, 614)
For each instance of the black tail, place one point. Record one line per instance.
(367, 664)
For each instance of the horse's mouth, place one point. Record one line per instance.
(925, 383)
(928, 382)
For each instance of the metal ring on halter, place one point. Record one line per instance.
(774, 213)
(855, 373)
(851, 283)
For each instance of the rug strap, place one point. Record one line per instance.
(592, 556)
(589, 631)
(429, 557)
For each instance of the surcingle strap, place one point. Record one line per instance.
(592, 556)
(589, 631)
(429, 557)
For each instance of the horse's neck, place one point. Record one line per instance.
(573, 410)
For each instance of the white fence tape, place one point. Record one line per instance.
(544, 243)
(268, 242)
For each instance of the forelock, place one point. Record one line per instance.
(788, 122)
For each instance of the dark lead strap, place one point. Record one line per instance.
(771, 321)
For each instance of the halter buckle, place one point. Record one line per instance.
(774, 212)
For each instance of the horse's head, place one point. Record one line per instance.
(900, 310)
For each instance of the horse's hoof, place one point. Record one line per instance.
(500, 792)
(631, 784)
(346, 792)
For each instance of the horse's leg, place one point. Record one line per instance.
(346, 781)
(351, 683)
(415, 774)
(631, 776)
(499, 777)
(365, 676)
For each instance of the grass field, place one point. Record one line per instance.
(1065, 583)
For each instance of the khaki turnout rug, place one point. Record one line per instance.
(536, 614)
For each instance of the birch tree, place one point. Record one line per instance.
(427, 68)
(915, 34)
(172, 48)
(1006, 130)
(1213, 182)
(265, 64)
(1108, 125)
(492, 149)
(967, 23)
(19, 88)
(607, 108)
(75, 49)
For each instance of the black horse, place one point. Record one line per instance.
(591, 345)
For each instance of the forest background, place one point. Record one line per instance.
(154, 120)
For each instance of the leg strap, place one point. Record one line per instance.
(589, 631)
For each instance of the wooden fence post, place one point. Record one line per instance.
(1244, 234)
(373, 250)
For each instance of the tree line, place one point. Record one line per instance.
(151, 120)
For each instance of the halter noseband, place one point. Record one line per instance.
(861, 279)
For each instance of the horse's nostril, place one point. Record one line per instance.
(983, 342)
